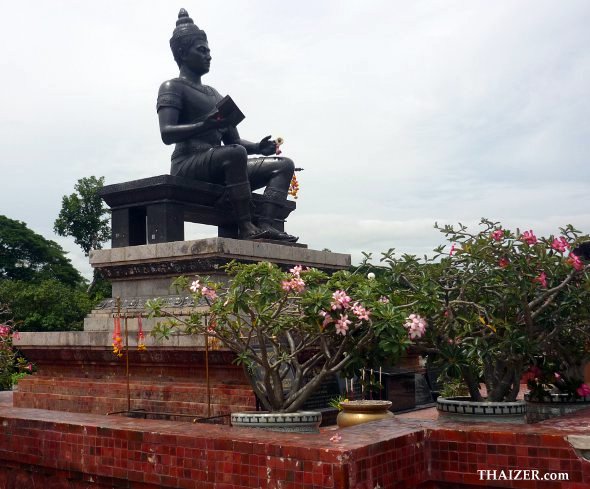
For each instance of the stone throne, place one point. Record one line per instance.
(154, 210)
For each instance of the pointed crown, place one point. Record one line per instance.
(186, 27)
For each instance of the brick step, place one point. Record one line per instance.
(121, 379)
(166, 392)
(104, 405)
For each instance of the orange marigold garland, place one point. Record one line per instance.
(140, 335)
(294, 186)
(117, 340)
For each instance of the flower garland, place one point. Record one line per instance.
(294, 186)
(117, 340)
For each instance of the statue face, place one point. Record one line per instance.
(198, 58)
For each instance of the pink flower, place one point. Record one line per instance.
(560, 244)
(542, 279)
(575, 262)
(16, 335)
(296, 270)
(195, 286)
(29, 367)
(340, 300)
(298, 284)
(416, 326)
(503, 262)
(342, 325)
(336, 438)
(583, 390)
(453, 248)
(327, 319)
(295, 284)
(383, 300)
(360, 311)
(4, 330)
(528, 237)
(557, 375)
(498, 235)
(209, 293)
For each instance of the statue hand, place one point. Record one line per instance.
(215, 122)
(267, 146)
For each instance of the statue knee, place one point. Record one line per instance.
(235, 152)
(234, 158)
(287, 165)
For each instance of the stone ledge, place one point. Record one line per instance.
(220, 248)
(101, 339)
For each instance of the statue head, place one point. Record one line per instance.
(184, 36)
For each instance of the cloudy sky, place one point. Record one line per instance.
(402, 113)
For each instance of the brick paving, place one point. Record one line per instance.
(40, 448)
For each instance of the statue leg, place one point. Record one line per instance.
(229, 164)
(275, 174)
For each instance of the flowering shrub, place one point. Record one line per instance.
(12, 366)
(543, 384)
(292, 329)
(560, 371)
(496, 301)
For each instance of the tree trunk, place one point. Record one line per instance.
(502, 381)
(472, 384)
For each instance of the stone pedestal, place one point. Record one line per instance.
(78, 372)
(146, 271)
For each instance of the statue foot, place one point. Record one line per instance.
(280, 235)
(252, 235)
(289, 237)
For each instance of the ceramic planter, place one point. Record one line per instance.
(463, 409)
(298, 422)
(553, 405)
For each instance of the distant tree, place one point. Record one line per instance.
(48, 305)
(38, 282)
(84, 216)
(28, 256)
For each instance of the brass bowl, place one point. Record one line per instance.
(359, 412)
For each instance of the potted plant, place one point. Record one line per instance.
(289, 330)
(556, 380)
(495, 300)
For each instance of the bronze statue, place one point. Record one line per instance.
(190, 117)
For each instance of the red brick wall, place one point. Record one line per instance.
(457, 455)
(75, 451)
(106, 396)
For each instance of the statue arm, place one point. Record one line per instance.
(169, 107)
(172, 132)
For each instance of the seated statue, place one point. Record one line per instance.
(186, 112)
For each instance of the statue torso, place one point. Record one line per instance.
(194, 103)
